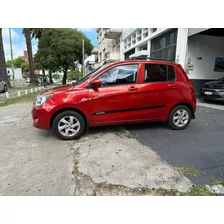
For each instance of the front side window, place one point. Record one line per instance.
(159, 73)
(124, 74)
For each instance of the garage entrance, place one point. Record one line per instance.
(205, 57)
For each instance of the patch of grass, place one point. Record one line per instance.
(190, 171)
(199, 190)
(24, 98)
(119, 131)
(217, 181)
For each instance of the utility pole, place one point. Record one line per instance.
(83, 58)
(13, 73)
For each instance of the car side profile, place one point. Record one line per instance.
(129, 91)
(3, 86)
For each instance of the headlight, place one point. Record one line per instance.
(221, 93)
(40, 99)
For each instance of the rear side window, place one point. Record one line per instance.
(159, 73)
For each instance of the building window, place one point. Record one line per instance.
(154, 30)
(143, 47)
(146, 34)
(127, 54)
(164, 46)
(159, 73)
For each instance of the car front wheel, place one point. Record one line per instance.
(68, 125)
(180, 117)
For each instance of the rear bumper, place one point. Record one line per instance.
(41, 118)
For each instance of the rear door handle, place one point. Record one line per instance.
(132, 88)
(172, 86)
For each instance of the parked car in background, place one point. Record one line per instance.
(3, 86)
(213, 90)
(129, 91)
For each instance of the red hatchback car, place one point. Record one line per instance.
(129, 91)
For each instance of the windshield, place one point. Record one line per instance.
(92, 73)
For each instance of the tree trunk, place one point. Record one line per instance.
(50, 77)
(30, 55)
(64, 77)
(3, 70)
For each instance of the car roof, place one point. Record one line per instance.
(144, 61)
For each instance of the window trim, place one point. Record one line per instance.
(167, 66)
(138, 64)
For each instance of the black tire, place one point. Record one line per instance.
(5, 89)
(66, 113)
(172, 113)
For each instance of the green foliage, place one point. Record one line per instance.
(74, 75)
(59, 49)
(56, 76)
(17, 62)
(190, 171)
(217, 181)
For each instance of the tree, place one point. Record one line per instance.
(60, 49)
(17, 62)
(27, 33)
(3, 71)
(36, 32)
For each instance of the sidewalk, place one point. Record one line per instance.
(16, 93)
(213, 105)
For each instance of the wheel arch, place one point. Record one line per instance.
(69, 108)
(187, 105)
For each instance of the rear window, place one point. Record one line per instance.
(159, 73)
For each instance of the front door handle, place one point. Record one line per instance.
(132, 88)
(173, 86)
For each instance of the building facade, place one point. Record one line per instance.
(108, 49)
(200, 51)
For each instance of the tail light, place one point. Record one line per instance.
(191, 86)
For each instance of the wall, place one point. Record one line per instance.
(181, 47)
(17, 73)
(208, 48)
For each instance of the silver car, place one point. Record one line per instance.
(3, 86)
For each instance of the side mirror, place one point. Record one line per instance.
(96, 84)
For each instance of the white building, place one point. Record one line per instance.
(108, 49)
(17, 73)
(199, 50)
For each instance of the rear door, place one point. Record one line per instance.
(117, 99)
(158, 90)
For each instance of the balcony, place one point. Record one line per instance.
(95, 50)
(140, 53)
(113, 33)
(113, 56)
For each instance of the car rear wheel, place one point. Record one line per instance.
(180, 117)
(68, 125)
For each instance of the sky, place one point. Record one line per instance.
(19, 42)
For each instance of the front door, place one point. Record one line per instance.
(157, 91)
(117, 98)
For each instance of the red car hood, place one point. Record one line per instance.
(60, 89)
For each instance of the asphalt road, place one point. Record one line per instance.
(199, 146)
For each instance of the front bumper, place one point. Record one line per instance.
(41, 118)
(214, 94)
